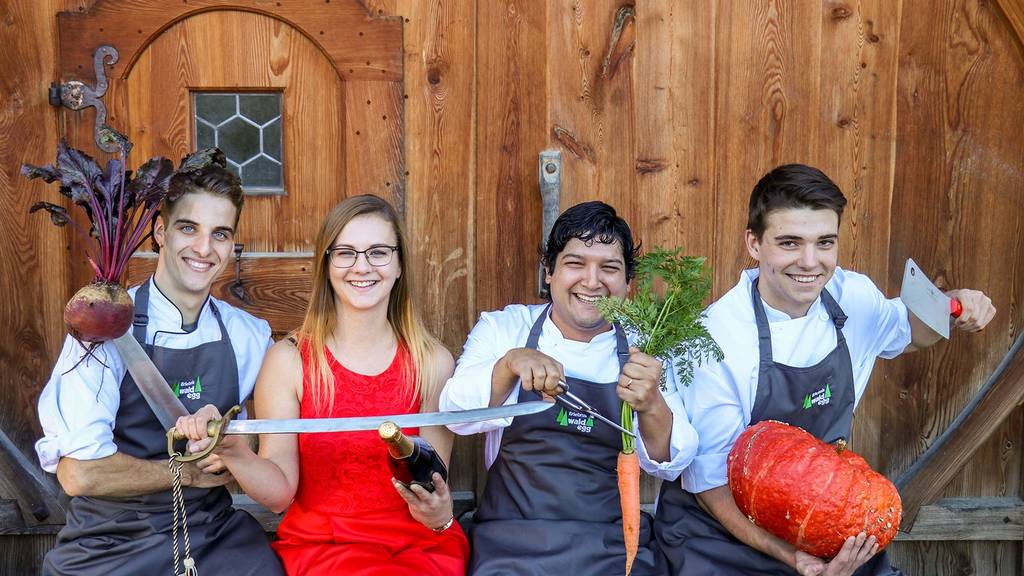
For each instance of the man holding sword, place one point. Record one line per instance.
(106, 444)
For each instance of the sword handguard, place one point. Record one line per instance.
(214, 429)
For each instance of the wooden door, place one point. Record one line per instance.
(335, 71)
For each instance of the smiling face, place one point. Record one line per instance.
(796, 256)
(583, 272)
(364, 286)
(195, 243)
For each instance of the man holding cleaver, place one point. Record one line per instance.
(106, 444)
(800, 337)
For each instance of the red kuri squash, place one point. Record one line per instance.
(809, 493)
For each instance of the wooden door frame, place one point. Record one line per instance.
(365, 49)
(361, 46)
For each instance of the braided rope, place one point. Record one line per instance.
(178, 506)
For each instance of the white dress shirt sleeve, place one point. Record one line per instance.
(78, 405)
(250, 339)
(470, 385)
(715, 409)
(893, 326)
(682, 442)
(877, 326)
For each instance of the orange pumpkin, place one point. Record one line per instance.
(809, 493)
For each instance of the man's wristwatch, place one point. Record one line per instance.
(444, 526)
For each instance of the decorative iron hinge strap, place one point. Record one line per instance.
(76, 95)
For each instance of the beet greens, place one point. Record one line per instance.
(119, 205)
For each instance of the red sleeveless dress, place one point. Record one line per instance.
(347, 517)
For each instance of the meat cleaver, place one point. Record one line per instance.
(926, 301)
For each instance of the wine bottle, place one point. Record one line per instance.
(412, 459)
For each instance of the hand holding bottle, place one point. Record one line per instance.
(432, 509)
(420, 476)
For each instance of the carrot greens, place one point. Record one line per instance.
(667, 325)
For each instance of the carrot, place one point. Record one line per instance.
(669, 328)
(628, 467)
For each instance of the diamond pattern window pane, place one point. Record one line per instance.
(247, 127)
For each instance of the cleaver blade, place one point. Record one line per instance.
(926, 301)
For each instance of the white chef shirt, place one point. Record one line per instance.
(498, 332)
(77, 408)
(721, 397)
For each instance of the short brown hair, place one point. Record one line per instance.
(212, 177)
(792, 186)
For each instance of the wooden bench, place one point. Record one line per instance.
(950, 519)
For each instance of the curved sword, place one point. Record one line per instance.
(218, 427)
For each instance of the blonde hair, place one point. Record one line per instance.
(320, 320)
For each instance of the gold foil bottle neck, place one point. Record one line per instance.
(399, 445)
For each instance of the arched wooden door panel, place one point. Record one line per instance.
(338, 72)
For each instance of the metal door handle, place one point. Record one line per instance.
(237, 288)
(550, 176)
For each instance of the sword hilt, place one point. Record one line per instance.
(214, 429)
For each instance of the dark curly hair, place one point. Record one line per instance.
(592, 221)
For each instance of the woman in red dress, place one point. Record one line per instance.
(362, 350)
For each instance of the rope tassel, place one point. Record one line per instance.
(178, 507)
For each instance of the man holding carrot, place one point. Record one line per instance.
(551, 504)
(107, 447)
(800, 337)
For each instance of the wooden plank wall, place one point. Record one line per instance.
(913, 107)
(958, 188)
(33, 265)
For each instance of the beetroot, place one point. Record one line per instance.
(99, 312)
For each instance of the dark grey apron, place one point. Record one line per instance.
(551, 505)
(133, 535)
(819, 399)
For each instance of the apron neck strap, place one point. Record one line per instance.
(764, 333)
(834, 310)
(621, 344)
(141, 318)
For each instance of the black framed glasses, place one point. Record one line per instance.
(376, 256)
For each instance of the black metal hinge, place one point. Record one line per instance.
(76, 95)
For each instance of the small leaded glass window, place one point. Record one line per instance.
(247, 127)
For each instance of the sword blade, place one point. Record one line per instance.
(319, 425)
(155, 390)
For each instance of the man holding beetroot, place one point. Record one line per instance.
(107, 447)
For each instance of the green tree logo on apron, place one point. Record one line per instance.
(820, 398)
(193, 389)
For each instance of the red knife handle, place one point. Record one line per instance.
(955, 308)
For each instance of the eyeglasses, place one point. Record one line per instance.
(376, 256)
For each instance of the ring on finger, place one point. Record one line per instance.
(630, 383)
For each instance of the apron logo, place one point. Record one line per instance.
(582, 422)
(192, 389)
(820, 398)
